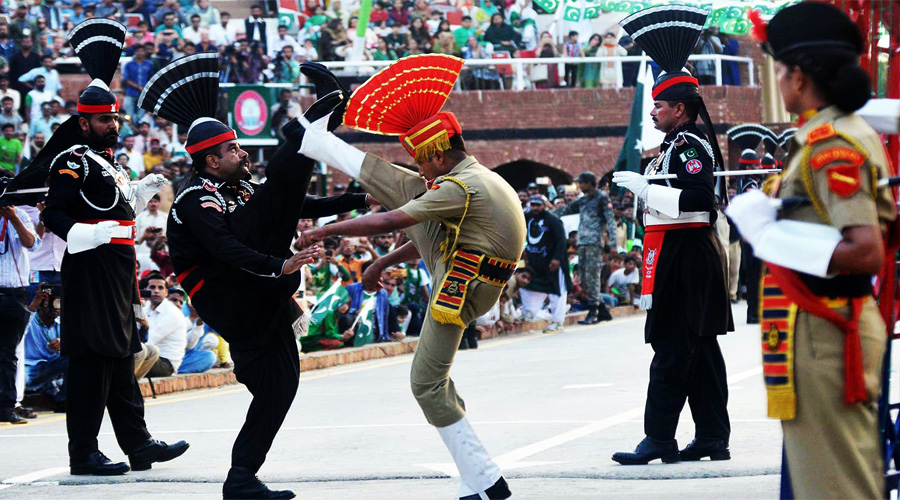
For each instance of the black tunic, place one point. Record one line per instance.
(690, 296)
(546, 241)
(99, 286)
(229, 259)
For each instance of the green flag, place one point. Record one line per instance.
(331, 300)
(366, 319)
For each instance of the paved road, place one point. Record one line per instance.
(550, 408)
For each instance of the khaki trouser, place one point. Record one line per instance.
(833, 448)
(144, 360)
(430, 376)
(734, 268)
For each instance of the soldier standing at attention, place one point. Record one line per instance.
(684, 289)
(595, 212)
(464, 221)
(823, 337)
(92, 203)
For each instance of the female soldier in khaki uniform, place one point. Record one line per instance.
(823, 338)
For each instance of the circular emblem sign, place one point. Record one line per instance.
(250, 112)
(693, 166)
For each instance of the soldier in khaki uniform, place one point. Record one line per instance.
(823, 337)
(466, 223)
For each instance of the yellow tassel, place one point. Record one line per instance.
(782, 404)
(425, 152)
(446, 318)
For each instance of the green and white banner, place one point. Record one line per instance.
(331, 300)
(729, 15)
(366, 319)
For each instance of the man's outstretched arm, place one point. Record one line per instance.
(371, 278)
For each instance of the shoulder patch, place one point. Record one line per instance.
(844, 180)
(688, 155)
(72, 165)
(693, 166)
(820, 133)
(842, 154)
(210, 198)
(209, 186)
(66, 171)
(211, 204)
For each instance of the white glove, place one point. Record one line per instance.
(752, 212)
(83, 237)
(145, 190)
(321, 145)
(632, 181)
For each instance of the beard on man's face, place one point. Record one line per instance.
(98, 141)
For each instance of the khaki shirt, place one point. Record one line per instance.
(494, 223)
(835, 160)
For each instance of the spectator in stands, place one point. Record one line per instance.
(589, 73)
(629, 69)
(170, 7)
(326, 272)
(192, 32)
(464, 31)
(202, 343)
(611, 72)
(7, 44)
(221, 33)
(421, 9)
(166, 327)
(502, 35)
(47, 70)
(337, 11)
(571, 48)
(398, 14)
(331, 332)
(623, 283)
(287, 69)
(22, 62)
(36, 97)
(479, 77)
(419, 32)
(49, 12)
(168, 23)
(383, 244)
(396, 40)
(10, 148)
(255, 26)
(281, 41)
(154, 156)
(43, 123)
(20, 26)
(13, 94)
(8, 114)
(445, 43)
(382, 52)
(615, 262)
(36, 145)
(708, 44)
(44, 367)
(378, 16)
(77, 13)
(140, 36)
(334, 44)
(350, 260)
(110, 10)
(209, 16)
(731, 72)
(546, 76)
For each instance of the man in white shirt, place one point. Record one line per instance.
(192, 32)
(38, 96)
(221, 34)
(135, 159)
(282, 40)
(149, 224)
(167, 329)
(46, 69)
(622, 282)
(17, 239)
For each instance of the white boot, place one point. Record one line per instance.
(477, 471)
(321, 145)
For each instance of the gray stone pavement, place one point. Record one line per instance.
(550, 408)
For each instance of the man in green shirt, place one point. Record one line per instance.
(10, 148)
(465, 30)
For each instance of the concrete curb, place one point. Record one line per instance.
(328, 359)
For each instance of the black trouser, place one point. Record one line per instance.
(693, 371)
(268, 222)
(571, 75)
(96, 382)
(415, 319)
(13, 320)
(272, 376)
(751, 270)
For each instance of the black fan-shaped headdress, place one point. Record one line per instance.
(785, 137)
(98, 43)
(186, 92)
(668, 34)
(770, 142)
(748, 136)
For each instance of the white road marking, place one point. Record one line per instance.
(31, 477)
(515, 459)
(584, 386)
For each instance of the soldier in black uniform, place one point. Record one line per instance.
(92, 205)
(230, 240)
(684, 283)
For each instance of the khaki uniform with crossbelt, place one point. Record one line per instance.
(835, 161)
(471, 234)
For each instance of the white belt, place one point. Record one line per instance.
(654, 218)
(123, 232)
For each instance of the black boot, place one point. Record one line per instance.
(293, 130)
(603, 313)
(471, 335)
(241, 483)
(326, 82)
(715, 449)
(591, 318)
(649, 449)
(155, 451)
(97, 464)
(499, 491)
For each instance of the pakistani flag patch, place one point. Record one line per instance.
(688, 155)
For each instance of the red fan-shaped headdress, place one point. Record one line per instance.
(405, 99)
